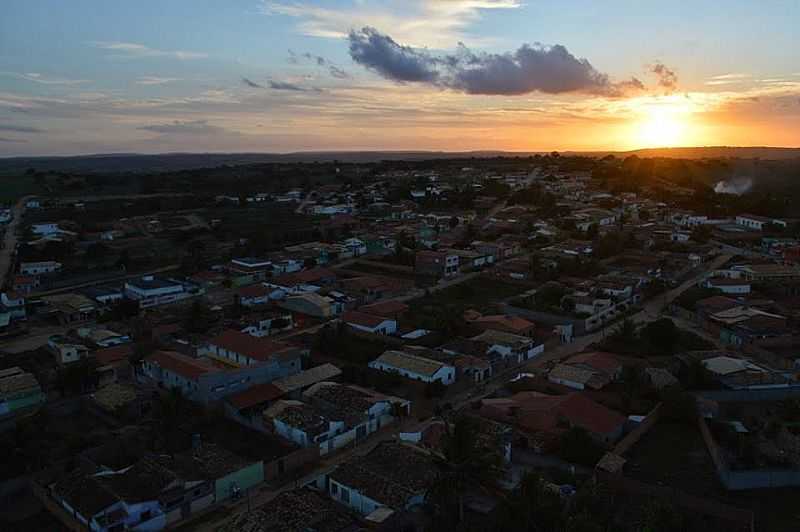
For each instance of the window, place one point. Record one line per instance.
(334, 488)
(345, 495)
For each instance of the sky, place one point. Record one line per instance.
(154, 76)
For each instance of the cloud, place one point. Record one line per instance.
(318, 60)
(12, 141)
(252, 84)
(547, 69)
(435, 23)
(338, 73)
(136, 50)
(382, 54)
(285, 86)
(667, 78)
(184, 127)
(155, 80)
(20, 129)
(44, 80)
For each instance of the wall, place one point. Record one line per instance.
(635, 435)
(745, 479)
(245, 478)
(291, 462)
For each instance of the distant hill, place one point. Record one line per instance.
(132, 162)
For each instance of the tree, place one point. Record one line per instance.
(467, 465)
(531, 507)
(661, 335)
(577, 446)
(170, 410)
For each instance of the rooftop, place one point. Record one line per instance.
(250, 346)
(413, 363)
(390, 474)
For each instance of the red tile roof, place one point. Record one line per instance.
(110, 355)
(537, 412)
(362, 318)
(254, 290)
(600, 361)
(249, 346)
(179, 364)
(385, 308)
(260, 393)
(506, 322)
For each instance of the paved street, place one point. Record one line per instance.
(10, 240)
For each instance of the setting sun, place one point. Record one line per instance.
(662, 127)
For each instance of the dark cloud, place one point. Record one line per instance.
(20, 129)
(391, 60)
(285, 86)
(537, 68)
(192, 127)
(252, 84)
(338, 73)
(319, 61)
(13, 141)
(667, 78)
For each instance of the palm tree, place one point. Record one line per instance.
(466, 464)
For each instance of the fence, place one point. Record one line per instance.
(739, 520)
(745, 479)
(624, 445)
(772, 394)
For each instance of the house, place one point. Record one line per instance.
(742, 374)
(542, 418)
(155, 492)
(299, 509)
(511, 347)
(415, 367)
(333, 415)
(505, 323)
(100, 337)
(207, 379)
(266, 323)
(13, 303)
(592, 370)
(728, 285)
(255, 294)
(387, 309)
(369, 322)
(246, 350)
(310, 304)
(105, 295)
(758, 223)
(440, 264)
(294, 385)
(45, 229)
(257, 269)
(113, 362)
(25, 284)
(392, 477)
(151, 291)
(20, 393)
(769, 273)
(70, 308)
(39, 268)
(66, 350)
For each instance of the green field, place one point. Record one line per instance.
(13, 187)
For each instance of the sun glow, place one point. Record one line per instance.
(663, 126)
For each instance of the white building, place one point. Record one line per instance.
(415, 367)
(38, 268)
(369, 322)
(152, 291)
(757, 223)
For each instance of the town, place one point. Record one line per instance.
(545, 342)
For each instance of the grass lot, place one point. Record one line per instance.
(437, 310)
(13, 187)
(674, 455)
